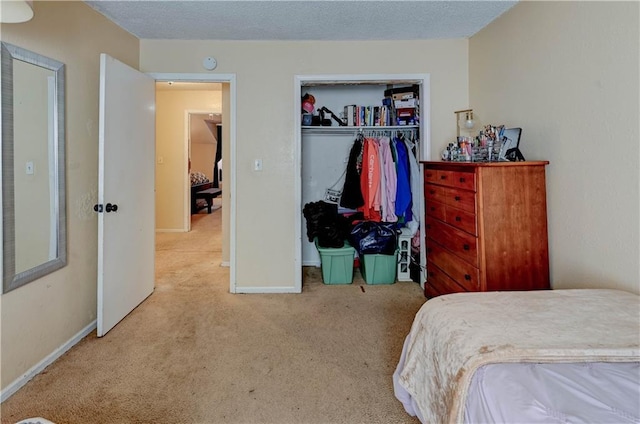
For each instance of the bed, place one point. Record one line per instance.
(527, 356)
(199, 182)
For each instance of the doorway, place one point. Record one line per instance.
(182, 182)
(204, 138)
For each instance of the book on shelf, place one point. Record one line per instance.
(349, 114)
(380, 115)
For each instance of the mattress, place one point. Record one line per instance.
(454, 336)
(596, 392)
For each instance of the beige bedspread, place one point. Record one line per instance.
(454, 335)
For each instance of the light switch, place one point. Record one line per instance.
(257, 165)
(29, 168)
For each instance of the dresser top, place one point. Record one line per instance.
(485, 164)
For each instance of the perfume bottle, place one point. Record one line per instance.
(446, 154)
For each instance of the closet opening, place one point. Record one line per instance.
(359, 155)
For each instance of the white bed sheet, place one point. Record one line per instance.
(453, 336)
(548, 393)
(591, 392)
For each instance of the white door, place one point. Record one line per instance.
(126, 191)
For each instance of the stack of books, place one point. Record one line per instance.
(400, 106)
(406, 103)
(373, 116)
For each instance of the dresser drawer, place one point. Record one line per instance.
(465, 180)
(464, 220)
(461, 199)
(434, 193)
(461, 244)
(439, 283)
(430, 175)
(465, 274)
(436, 210)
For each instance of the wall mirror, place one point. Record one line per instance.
(33, 171)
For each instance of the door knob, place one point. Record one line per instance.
(111, 207)
(97, 208)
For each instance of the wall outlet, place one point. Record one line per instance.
(257, 165)
(29, 169)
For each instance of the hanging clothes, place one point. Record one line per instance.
(370, 181)
(351, 192)
(403, 191)
(389, 184)
(383, 180)
(414, 177)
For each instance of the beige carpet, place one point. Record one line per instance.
(193, 353)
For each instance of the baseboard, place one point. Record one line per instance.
(170, 230)
(263, 290)
(50, 359)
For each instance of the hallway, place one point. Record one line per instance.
(182, 257)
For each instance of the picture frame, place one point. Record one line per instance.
(510, 148)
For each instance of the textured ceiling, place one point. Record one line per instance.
(302, 19)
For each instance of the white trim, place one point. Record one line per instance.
(231, 79)
(297, 186)
(170, 230)
(425, 155)
(50, 359)
(364, 78)
(425, 142)
(225, 263)
(252, 290)
(187, 156)
(187, 177)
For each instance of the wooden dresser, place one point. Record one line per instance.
(486, 226)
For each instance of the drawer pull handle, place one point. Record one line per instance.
(466, 247)
(432, 192)
(462, 179)
(458, 219)
(457, 198)
(433, 208)
(467, 277)
(443, 177)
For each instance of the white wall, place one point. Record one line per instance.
(40, 317)
(202, 158)
(265, 74)
(567, 73)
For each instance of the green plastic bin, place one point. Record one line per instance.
(379, 269)
(337, 263)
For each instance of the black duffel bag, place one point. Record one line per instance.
(370, 237)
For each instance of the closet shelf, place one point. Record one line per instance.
(337, 130)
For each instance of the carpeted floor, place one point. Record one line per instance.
(193, 353)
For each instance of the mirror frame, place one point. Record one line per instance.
(11, 279)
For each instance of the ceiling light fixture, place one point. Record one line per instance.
(15, 11)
